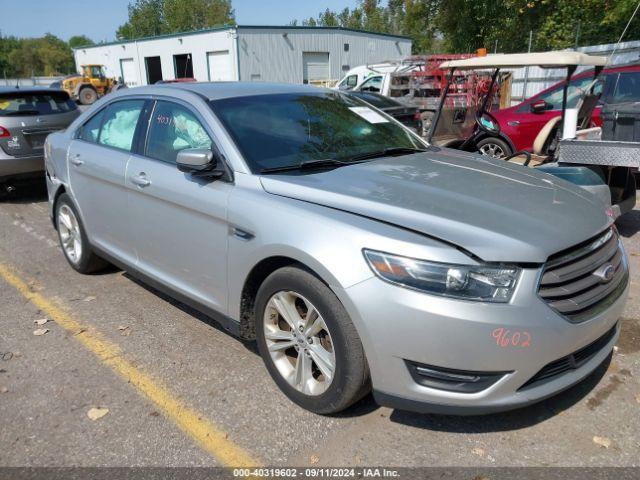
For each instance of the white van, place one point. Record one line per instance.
(372, 78)
(358, 75)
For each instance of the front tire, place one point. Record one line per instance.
(494, 147)
(73, 238)
(87, 96)
(308, 342)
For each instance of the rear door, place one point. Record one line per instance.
(179, 221)
(97, 161)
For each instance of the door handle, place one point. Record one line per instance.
(141, 180)
(76, 160)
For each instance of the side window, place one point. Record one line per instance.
(173, 128)
(119, 126)
(627, 88)
(373, 84)
(577, 89)
(90, 130)
(351, 81)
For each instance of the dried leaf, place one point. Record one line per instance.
(41, 321)
(90, 298)
(314, 459)
(125, 331)
(638, 398)
(602, 441)
(97, 413)
(40, 331)
(478, 451)
(4, 390)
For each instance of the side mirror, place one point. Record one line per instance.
(539, 106)
(200, 162)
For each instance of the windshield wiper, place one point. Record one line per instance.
(387, 152)
(308, 164)
(21, 112)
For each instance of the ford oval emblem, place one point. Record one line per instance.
(605, 273)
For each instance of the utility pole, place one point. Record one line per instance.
(526, 70)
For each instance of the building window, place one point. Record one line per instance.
(346, 47)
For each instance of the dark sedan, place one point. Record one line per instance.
(407, 115)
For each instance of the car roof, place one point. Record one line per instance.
(28, 90)
(518, 60)
(220, 90)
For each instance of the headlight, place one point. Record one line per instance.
(466, 282)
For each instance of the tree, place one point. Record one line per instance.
(7, 45)
(80, 41)
(48, 55)
(418, 21)
(155, 17)
(400, 17)
(186, 15)
(145, 20)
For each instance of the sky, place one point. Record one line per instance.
(100, 19)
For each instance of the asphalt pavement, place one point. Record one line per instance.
(176, 390)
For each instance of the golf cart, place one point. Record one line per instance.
(568, 146)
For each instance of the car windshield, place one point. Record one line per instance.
(280, 130)
(34, 103)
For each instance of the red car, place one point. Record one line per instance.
(521, 123)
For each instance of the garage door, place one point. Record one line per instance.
(219, 65)
(315, 66)
(128, 72)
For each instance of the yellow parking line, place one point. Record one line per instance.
(205, 433)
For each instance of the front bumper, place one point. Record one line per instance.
(398, 325)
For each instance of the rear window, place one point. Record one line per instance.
(35, 103)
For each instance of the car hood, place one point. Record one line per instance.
(498, 211)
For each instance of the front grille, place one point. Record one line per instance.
(570, 362)
(570, 283)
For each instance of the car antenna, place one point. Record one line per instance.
(623, 34)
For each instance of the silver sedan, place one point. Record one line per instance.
(357, 256)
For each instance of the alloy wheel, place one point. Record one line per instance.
(69, 231)
(492, 150)
(299, 342)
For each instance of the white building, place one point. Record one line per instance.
(289, 54)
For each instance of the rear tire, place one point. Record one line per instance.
(334, 359)
(73, 238)
(87, 96)
(494, 147)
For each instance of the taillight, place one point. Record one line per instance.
(4, 132)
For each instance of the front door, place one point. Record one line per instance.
(179, 221)
(97, 163)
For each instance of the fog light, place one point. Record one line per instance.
(463, 381)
